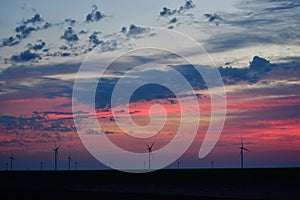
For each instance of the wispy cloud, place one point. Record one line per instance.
(257, 22)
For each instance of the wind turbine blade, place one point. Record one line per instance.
(152, 144)
(148, 146)
(246, 149)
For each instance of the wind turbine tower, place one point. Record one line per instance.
(178, 164)
(55, 156)
(212, 163)
(242, 148)
(69, 161)
(11, 161)
(149, 149)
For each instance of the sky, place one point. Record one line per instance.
(254, 45)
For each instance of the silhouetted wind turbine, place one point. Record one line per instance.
(11, 161)
(178, 164)
(76, 163)
(41, 166)
(69, 161)
(212, 163)
(242, 148)
(149, 149)
(55, 156)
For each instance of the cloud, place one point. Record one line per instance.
(92, 132)
(284, 6)
(70, 35)
(109, 45)
(173, 20)
(70, 21)
(259, 69)
(35, 19)
(166, 12)
(255, 23)
(134, 31)
(25, 28)
(47, 25)
(22, 72)
(25, 56)
(95, 15)
(94, 38)
(232, 40)
(49, 127)
(11, 41)
(187, 6)
(37, 46)
(23, 31)
(213, 18)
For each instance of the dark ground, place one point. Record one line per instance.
(163, 184)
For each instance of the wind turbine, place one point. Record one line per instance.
(11, 161)
(149, 149)
(212, 163)
(76, 163)
(242, 148)
(69, 161)
(41, 165)
(55, 156)
(178, 164)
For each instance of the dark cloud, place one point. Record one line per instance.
(172, 21)
(83, 32)
(25, 28)
(134, 30)
(35, 19)
(95, 15)
(11, 41)
(70, 35)
(188, 5)
(38, 121)
(94, 38)
(21, 72)
(25, 56)
(123, 29)
(168, 12)
(70, 21)
(258, 69)
(213, 18)
(23, 31)
(39, 45)
(65, 54)
(63, 47)
(46, 25)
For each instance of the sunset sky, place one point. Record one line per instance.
(254, 44)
